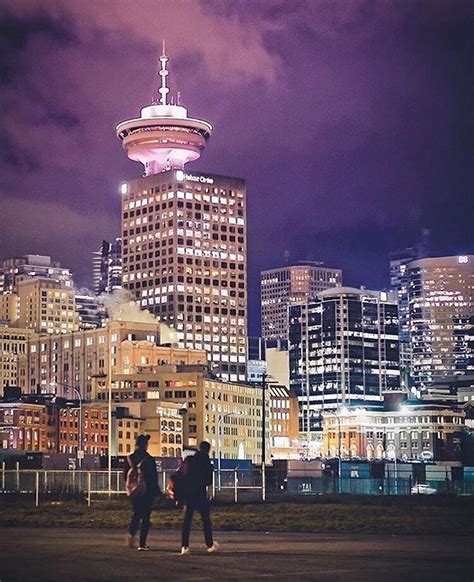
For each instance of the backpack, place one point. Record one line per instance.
(177, 485)
(135, 481)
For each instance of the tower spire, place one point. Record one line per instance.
(163, 72)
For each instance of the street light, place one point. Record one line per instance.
(339, 465)
(68, 387)
(220, 419)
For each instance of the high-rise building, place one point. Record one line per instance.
(441, 318)
(399, 283)
(90, 310)
(45, 306)
(184, 236)
(286, 286)
(12, 271)
(107, 267)
(343, 351)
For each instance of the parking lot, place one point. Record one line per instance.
(84, 554)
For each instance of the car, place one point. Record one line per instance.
(423, 489)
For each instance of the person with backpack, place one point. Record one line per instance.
(142, 487)
(195, 474)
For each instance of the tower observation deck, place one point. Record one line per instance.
(164, 137)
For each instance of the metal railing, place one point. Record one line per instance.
(235, 484)
(47, 485)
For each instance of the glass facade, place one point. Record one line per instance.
(441, 301)
(344, 349)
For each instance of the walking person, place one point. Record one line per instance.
(142, 488)
(196, 473)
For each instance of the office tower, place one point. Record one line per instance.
(90, 309)
(184, 235)
(107, 267)
(399, 283)
(12, 271)
(343, 351)
(45, 306)
(441, 318)
(285, 286)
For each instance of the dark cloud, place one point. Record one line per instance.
(351, 120)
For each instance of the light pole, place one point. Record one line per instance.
(68, 387)
(220, 420)
(339, 465)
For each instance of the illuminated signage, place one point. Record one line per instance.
(124, 188)
(463, 259)
(181, 177)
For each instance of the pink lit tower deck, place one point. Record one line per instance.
(164, 137)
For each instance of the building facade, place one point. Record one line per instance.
(204, 402)
(399, 283)
(343, 349)
(13, 345)
(50, 362)
(284, 431)
(441, 317)
(14, 270)
(280, 288)
(185, 260)
(419, 431)
(41, 425)
(107, 267)
(45, 306)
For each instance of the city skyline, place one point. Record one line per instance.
(383, 151)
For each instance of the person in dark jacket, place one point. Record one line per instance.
(197, 475)
(142, 502)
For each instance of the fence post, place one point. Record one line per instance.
(163, 481)
(264, 485)
(235, 486)
(46, 481)
(17, 475)
(213, 484)
(88, 488)
(118, 481)
(37, 487)
(3, 476)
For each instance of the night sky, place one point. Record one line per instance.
(351, 121)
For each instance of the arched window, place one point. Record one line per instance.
(164, 438)
(164, 452)
(178, 452)
(171, 452)
(171, 438)
(171, 425)
(178, 439)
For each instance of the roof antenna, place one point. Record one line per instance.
(163, 72)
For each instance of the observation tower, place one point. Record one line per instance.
(163, 137)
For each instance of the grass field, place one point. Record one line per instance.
(413, 515)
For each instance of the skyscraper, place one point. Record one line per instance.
(343, 350)
(285, 286)
(441, 318)
(399, 283)
(185, 235)
(107, 267)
